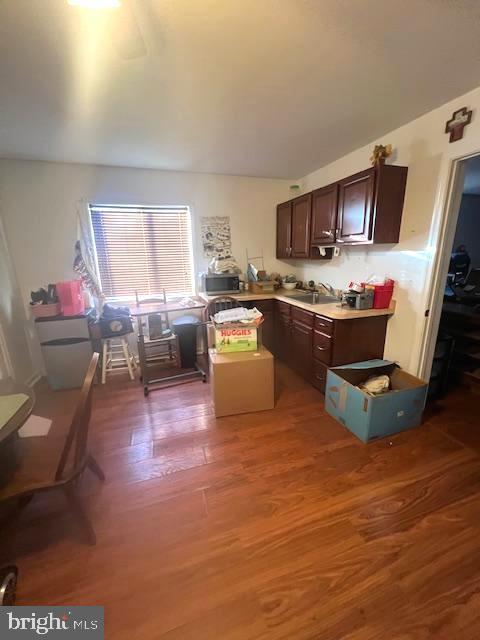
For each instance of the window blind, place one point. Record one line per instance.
(144, 249)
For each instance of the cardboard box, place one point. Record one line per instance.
(241, 382)
(232, 338)
(368, 416)
(211, 335)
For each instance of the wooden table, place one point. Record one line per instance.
(8, 387)
(8, 433)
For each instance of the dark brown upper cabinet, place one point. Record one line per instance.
(324, 215)
(301, 217)
(355, 195)
(365, 208)
(284, 230)
(370, 205)
(390, 185)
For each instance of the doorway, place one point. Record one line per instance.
(454, 345)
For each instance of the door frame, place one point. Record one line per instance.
(5, 361)
(442, 236)
(6, 364)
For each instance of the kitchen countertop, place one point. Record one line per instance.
(330, 310)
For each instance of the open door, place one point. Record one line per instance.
(451, 357)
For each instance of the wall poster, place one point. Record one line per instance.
(216, 237)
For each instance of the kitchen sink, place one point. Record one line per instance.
(312, 297)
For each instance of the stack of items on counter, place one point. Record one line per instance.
(241, 370)
(372, 294)
(259, 281)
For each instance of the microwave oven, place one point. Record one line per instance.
(217, 283)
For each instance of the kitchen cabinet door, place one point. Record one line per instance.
(319, 375)
(324, 215)
(301, 217)
(283, 338)
(301, 357)
(355, 198)
(268, 330)
(284, 230)
(322, 347)
(267, 327)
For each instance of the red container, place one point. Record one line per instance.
(383, 294)
(71, 299)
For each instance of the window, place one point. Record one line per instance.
(143, 249)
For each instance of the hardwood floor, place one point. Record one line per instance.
(276, 525)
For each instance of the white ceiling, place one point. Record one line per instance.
(250, 87)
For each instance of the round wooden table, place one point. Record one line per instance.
(8, 387)
(9, 431)
(8, 434)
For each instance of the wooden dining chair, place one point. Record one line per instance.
(162, 343)
(220, 303)
(44, 465)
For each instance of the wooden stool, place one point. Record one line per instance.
(116, 356)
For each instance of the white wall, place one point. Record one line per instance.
(39, 202)
(423, 146)
(39, 199)
(15, 359)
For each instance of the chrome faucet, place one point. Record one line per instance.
(328, 287)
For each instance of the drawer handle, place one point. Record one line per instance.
(322, 348)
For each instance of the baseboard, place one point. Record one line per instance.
(33, 379)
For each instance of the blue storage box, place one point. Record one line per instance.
(369, 416)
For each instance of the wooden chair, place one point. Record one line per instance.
(44, 466)
(162, 343)
(117, 356)
(220, 303)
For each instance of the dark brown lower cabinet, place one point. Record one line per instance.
(322, 347)
(358, 339)
(301, 346)
(268, 331)
(268, 327)
(319, 375)
(311, 343)
(283, 337)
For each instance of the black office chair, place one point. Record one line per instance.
(469, 291)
